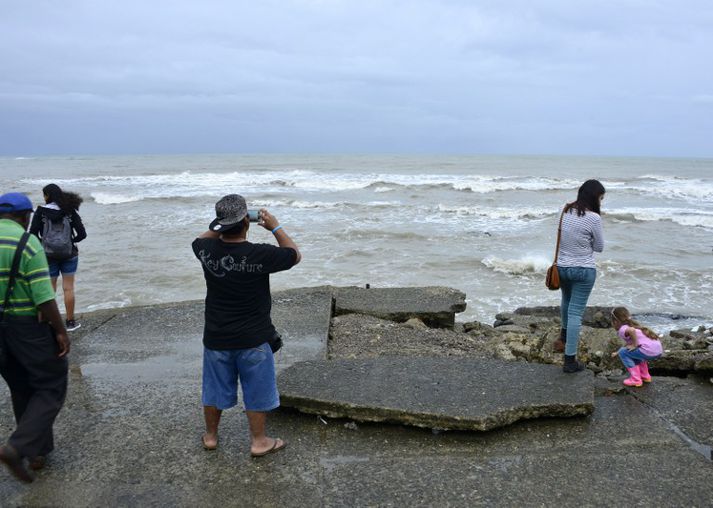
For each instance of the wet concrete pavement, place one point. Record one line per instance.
(129, 435)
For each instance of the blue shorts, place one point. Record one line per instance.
(66, 266)
(256, 369)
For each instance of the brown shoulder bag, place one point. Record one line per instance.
(552, 279)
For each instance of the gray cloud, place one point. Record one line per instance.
(417, 76)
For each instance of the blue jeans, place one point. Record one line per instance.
(576, 283)
(631, 358)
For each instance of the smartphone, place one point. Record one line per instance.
(254, 215)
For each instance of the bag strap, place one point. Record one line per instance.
(14, 271)
(559, 236)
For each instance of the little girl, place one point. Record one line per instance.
(642, 345)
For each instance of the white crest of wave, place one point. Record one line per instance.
(530, 263)
(682, 216)
(107, 198)
(667, 187)
(179, 184)
(501, 213)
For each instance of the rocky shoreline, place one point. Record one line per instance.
(526, 334)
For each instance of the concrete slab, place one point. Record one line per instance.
(436, 306)
(447, 393)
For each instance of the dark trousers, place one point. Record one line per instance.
(37, 379)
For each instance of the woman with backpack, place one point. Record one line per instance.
(60, 228)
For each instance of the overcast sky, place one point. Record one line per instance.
(600, 77)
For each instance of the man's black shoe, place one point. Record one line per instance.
(13, 461)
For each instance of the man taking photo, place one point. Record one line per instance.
(238, 327)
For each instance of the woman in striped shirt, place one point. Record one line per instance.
(581, 237)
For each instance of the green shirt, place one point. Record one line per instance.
(33, 286)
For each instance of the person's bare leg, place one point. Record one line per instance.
(54, 284)
(68, 290)
(259, 442)
(212, 419)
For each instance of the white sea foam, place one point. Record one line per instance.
(187, 183)
(530, 263)
(106, 198)
(682, 216)
(693, 190)
(499, 213)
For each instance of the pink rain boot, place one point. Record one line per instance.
(634, 378)
(644, 371)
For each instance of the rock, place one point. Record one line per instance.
(512, 328)
(594, 316)
(595, 346)
(687, 334)
(697, 343)
(477, 327)
(675, 361)
(531, 323)
(704, 363)
(415, 323)
(435, 306)
(502, 322)
(447, 393)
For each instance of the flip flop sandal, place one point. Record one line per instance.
(206, 447)
(275, 448)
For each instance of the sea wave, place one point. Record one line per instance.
(681, 216)
(106, 198)
(693, 190)
(170, 184)
(531, 263)
(499, 213)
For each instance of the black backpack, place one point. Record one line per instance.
(57, 237)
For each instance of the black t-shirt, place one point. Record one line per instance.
(238, 301)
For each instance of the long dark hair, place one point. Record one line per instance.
(68, 202)
(587, 198)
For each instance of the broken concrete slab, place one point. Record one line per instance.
(361, 336)
(436, 306)
(450, 393)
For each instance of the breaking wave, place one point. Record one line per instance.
(524, 265)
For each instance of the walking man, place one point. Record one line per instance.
(238, 327)
(32, 353)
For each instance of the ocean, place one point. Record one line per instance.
(483, 224)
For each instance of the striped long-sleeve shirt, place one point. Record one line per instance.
(582, 236)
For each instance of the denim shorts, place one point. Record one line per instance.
(255, 367)
(65, 266)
